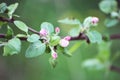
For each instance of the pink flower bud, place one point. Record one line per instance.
(64, 43)
(43, 32)
(67, 38)
(57, 30)
(54, 55)
(95, 20)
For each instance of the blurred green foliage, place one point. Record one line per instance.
(33, 13)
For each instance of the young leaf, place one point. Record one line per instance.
(47, 26)
(21, 35)
(94, 37)
(53, 62)
(9, 32)
(67, 53)
(87, 22)
(3, 7)
(12, 9)
(33, 38)
(69, 21)
(12, 47)
(104, 51)
(1, 23)
(107, 6)
(111, 22)
(35, 49)
(74, 32)
(93, 64)
(54, 40)
(22, 26)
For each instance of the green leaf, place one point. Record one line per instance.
(69, 21)
(63, 51)
(1, 23)
(53, 62)
(33, 38)
(67, 52)
(22, 26)
(94, 37)
(12, 9)
(60, 49)
(93, 64)
(111, 22)
(21, 35)
(47, 26)
(9, 32)
(12, 47)
(87, 22)
(74, 32)
(107, 6)
(54, 40)
(35, 49)
(74, 47)
(3, 7)
(104, 51)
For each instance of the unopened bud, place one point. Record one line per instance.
(95, 20)
(64, 43)
(57, 30)
(67, 38)
(43, 32)
(54, 55)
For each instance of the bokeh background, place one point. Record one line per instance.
(33, 13)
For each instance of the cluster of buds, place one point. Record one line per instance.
(64, 42)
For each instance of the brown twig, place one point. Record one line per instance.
(115, 68)
(12, 20)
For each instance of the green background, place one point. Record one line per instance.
(33, 13)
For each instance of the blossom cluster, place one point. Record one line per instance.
(63, 42)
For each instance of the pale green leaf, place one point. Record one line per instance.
(3, 7)
(87, 22)
(111, 22)
(47, 26)
(104, 51)
(53, 62)
(12, 9)
(33, 38)
(21, 35)
(35, 49)
(54, 40)
(69, 21)
(94, 37)
(93, 64)
(74, 32)
(22, 26)
(12, 47)
(107, 6)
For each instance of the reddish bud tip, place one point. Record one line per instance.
(43, 32)
(57, 30)
(54, 55)
(67, 38)
(95, 20)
